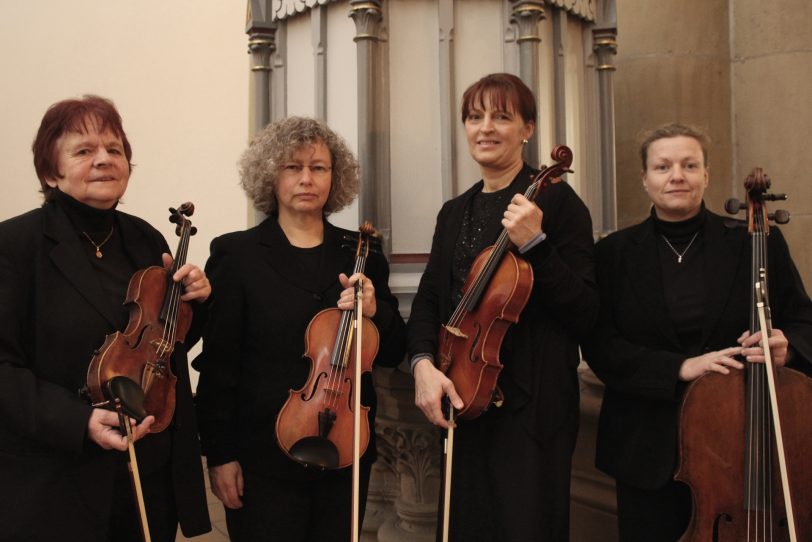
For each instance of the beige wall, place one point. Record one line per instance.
(739, 69)
(177, 72)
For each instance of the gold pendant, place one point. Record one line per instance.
(98, 254)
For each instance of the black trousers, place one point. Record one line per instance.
(159, 502)
(661, 515)
(506, 486)
(297, 511)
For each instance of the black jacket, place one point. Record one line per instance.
(264, 296)
(540, 353)
(635, 349)
(53, 482)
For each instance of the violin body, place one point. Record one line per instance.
(328, 387)
(713, 453)
(142, 352)
(469, 352)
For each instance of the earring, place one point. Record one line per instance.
(524, 142)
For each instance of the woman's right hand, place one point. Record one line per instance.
(719, 361)
(227, 483)
(103, 429)
(430, 386)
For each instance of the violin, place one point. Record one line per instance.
(744, 437)
(315, 425)
(142, 353)
(495, 293)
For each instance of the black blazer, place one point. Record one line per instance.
(635, 349)
(265, 292)
(540, 353)
(53, 481)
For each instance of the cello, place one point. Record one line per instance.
(315, 425)
(745, 465)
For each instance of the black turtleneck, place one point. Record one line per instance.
(481, 226)
(114, 268)
(683, 282)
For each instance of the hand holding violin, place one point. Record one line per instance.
(346, 300)
(195, 283)
(103, 429)
(522, 220)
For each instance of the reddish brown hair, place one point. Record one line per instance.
(73, 115)
(504, 91)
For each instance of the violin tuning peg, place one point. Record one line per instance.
(193, 230)
(173, 211)
(733, 206)
(780, 216)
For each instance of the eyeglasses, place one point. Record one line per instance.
(295, 170)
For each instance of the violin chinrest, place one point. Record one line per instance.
(316, 452)
(129, 394)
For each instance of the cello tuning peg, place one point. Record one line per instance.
(780, 216)
(731, 223)
(775, 197)
(733, 206)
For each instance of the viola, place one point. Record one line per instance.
(142, 353)
(495, 293)
(315, 425)
(744, 437)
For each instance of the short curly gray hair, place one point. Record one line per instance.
(274, 145)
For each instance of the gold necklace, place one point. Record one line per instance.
(98, 246)
(679, 254)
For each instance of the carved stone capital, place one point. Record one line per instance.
(367, 16)
(526, 14)
(604, 43)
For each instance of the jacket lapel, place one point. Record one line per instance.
(722, 251)
(646, 278)
(67, 257)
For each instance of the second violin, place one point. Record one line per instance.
(315, 426)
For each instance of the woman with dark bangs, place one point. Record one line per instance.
(511, 468)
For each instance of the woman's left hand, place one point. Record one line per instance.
(195, 284)
(754, 352)
(522, 220)
(346, 300)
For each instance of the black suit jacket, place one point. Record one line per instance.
(54, 483)
(540, 353)
(635, 349)
(265, 292)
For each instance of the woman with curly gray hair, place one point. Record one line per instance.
(268, 282)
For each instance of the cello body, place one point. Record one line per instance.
(744, 436)
(714, 417)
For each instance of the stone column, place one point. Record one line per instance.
(373, 118)
(526, 14)
(604, 45)
(261, 32)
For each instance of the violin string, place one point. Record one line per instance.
(487, 270)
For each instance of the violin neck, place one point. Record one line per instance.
(344, 336)
(174, 290)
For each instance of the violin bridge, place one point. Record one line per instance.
(456, 332)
